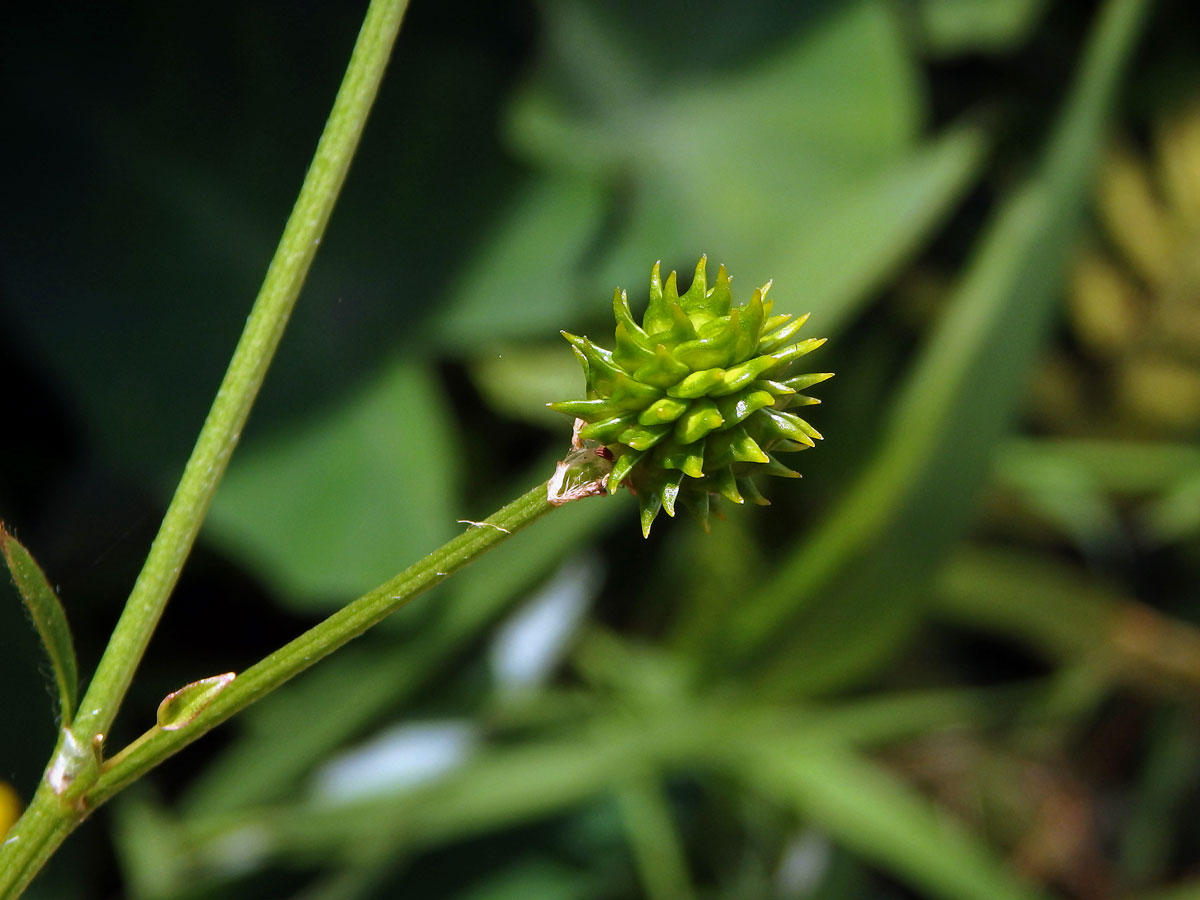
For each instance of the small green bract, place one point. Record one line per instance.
(694, 401)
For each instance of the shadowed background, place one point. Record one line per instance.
(958, 659)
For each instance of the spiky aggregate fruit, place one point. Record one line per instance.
(693, 402)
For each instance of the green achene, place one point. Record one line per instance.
(695, 400)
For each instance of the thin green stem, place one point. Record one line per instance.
(48, 821)
(247, 368)
(322, 639)
(33, 838)
(115, 760)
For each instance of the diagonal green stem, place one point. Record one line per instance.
(48, 820)
(322, 639)
(246, 371)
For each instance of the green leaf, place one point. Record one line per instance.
(725, 165)
(1123, 467)
(150, 846)
(351, 690)
(1085, 470)
(708, 130)
(338, 506)
(878, 224)
(180, 707)
(717, 160)
(870, 811)
(950, 27)
(1047, 605)
(519, 380)
(508, 782)
(537, 878)
(865, 564)
(1065, 496)
(654, 838)
(523, 279)
(48, 617)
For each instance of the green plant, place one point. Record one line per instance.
(76, 777)
(715, 352)
(732, 705)
(692, 401)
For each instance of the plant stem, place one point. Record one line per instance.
(125, 751)
(246, 371)
(322, 639)
(47, 821)
(33, 839)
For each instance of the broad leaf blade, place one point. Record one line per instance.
(350, 496)
(48, 617)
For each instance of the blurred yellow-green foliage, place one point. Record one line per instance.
(960, 659)
(1135, 306)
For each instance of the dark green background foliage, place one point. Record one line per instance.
(958, 660)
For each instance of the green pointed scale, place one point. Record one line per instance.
(698, 398)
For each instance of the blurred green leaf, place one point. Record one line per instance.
(519, 381)
(949, 27)
(149, 847)
(802, 165)
(534, 879)
(350, 497)
(706, 132)
(833, 265)
(1048, 605)
(504, 788)
(524, 280)
(1158, 803)
(655, 841)
(868, 810)
(1070, 478)
(49, 619)
(844, 597)
(1186, 890)
(1119, 467)
(1176, 515)
(749, 166)
(1066, 496)
(348, 693)
(506, 784)
(1065, 614)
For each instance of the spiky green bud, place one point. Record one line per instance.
(694, 401)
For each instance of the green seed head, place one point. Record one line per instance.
(695, 400)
